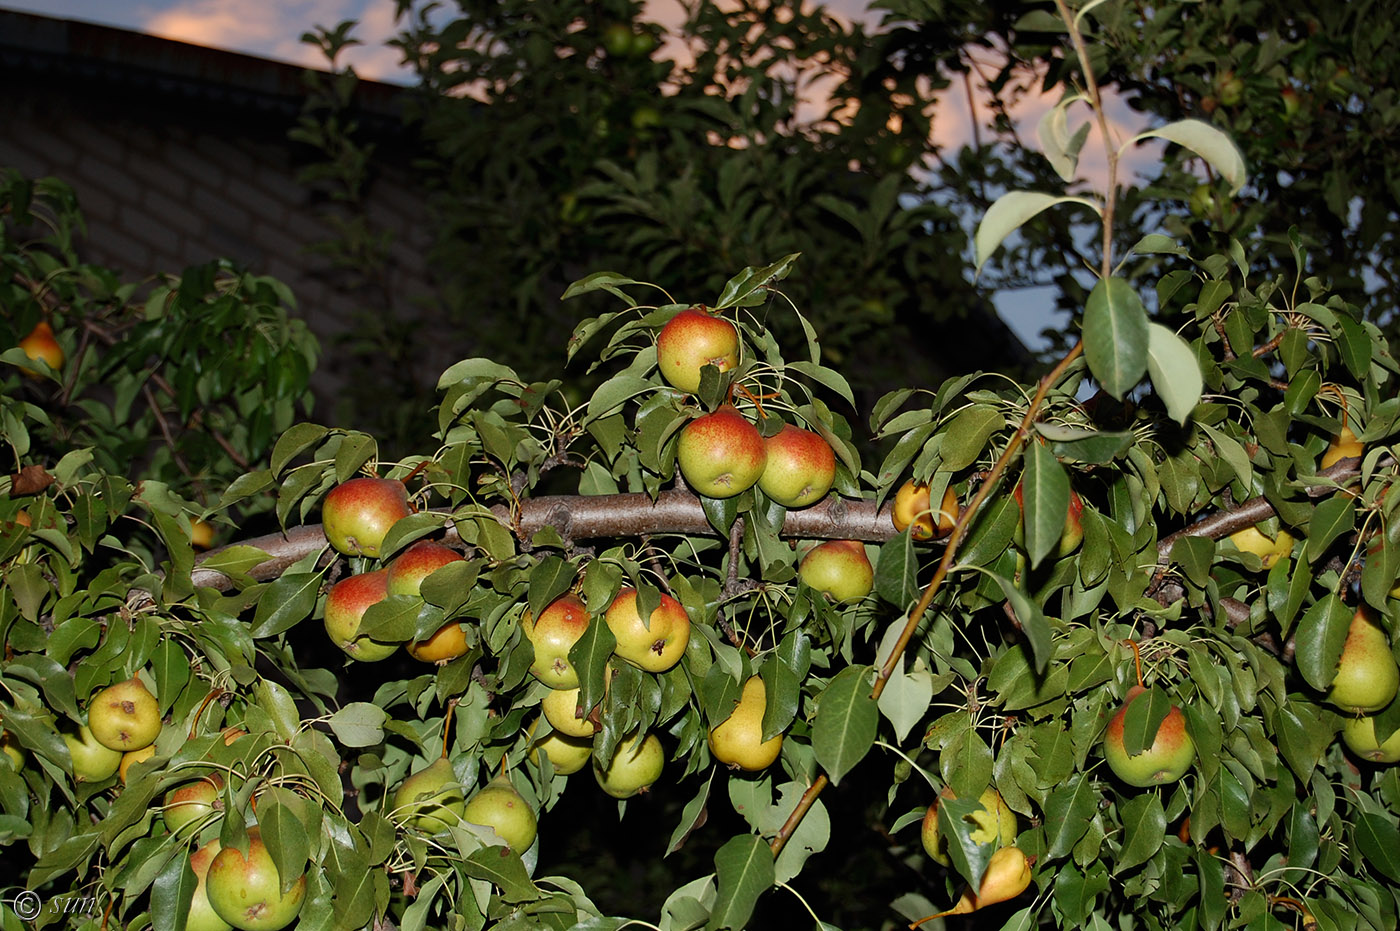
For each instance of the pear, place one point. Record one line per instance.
(635, 765)
(125, 716)
(1007, 876)
(560, 708)
(912, 508)
(995, 824)
(738, 740)
(500, 807)
(1165, 760)
(1359, 734)
(430, 800)
(1367, 675)
(567, 754)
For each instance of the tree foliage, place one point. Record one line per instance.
(1101, 545)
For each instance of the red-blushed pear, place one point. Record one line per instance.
(408, 570)
(431, 799)
(1165, 760)
(92, 762)
(911, 509)
(655, 646)
(498, 806)
(635, 765)
(1073, 532)
(1367, 677)
(800, 467)
(691, 340)
(560, 708)
(346, 604)
(567, 755)
(737, 741)
(41, 344)
(839, 569)
(560, 625)
(357, 515)
(447, 643)
(125, 716)
(1253, 540)
(201, 916)
(995, 824)
(1359, 734)
(193, 802)
(247, 891)
(721, 454)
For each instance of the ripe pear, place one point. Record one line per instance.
(444, 645)
(247, 891)
(131, 757)
(41, 344)
(838, 569)
(413, 565)
(996, 824)
(1167, 759)
(125, 716)
(691, 340)
(655, 646)
(357, 515)
(567, 754)
(497, 805)
(431, 799)
(1007, 876)
(1367, 675)
(800, 467)
(634, 767)
(912, 509)
(1344, 445)
(559, 626)
(721, 454)
(1359, 734)
(1072, 534)
(201, 916)
(346, 604)
(738, 739)
(92, 762)
(193, 802)
(1253, 540)
(561, 708)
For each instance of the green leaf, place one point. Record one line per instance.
(1174, 370)
(1068, 811)
(1045, 501)
(1143, 719)
(1205, 140)
(1009, 213)
(1057, 143)
(285, 603)
(740, 289)
(1144, 830)
(692, 817)
(172, 892)
(293, 442)
(1378, 839)
(1116, 335)
(967, 434)
(1332, 518)
(744, 871)
(359, 724)
(613, 392)
(1319, 639)
(1033, 622)
(284, 832)
(503, 868)
(896, 571)
(846, 722)
(548, 580)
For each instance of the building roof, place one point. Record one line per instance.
(122, 61)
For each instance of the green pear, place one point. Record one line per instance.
(635, 765)
(248, 892)
(92, 762)
(1367, 675)
(1359, 734)
(498, 806)
(838, 569)
(125, 716)
(201, 916)
(431, 799)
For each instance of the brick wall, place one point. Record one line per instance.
(164, 186)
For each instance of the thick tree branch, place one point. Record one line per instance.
(584, 517)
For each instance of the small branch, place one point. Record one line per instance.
(803, 804)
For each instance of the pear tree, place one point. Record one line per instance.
(1081, 703)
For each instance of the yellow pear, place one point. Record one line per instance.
(1367, 676)
(738, 740)
(1007, 876)
(560, 708)
(1344, 445)
(996, 824)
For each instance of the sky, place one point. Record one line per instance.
(272, 29)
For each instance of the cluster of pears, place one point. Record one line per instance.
(432, 800)
(123, 722)
(1366, 681)
(655, 645)
(1008, 872)
(722, 453)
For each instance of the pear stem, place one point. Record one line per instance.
(194, 724)
(447, 726)
(1137, 660)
